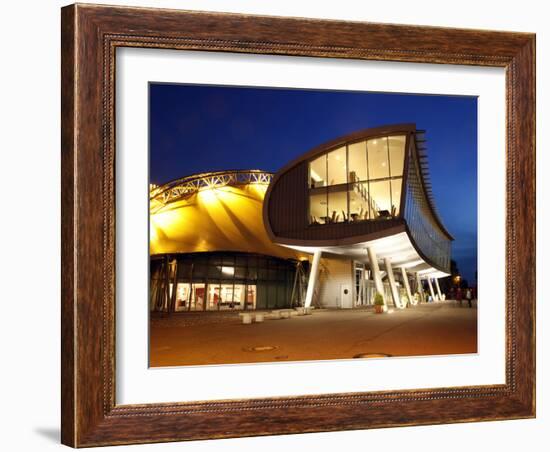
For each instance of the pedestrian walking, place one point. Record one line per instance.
(469, 296)
(459, 296)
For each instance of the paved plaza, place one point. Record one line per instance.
(439, 328)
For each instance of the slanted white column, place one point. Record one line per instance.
(313, 275)
(419, 287)
(438, 289)
(373, 261)
(431, 288)
(393, 287)
(362, 291)
(407, 286)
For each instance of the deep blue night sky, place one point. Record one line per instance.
(206, 128)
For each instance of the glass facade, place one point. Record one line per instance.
(425, 231)
(364, 181)
(220, 282)
(357, 182)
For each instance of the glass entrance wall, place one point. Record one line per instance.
(359, 181)
(221, 282)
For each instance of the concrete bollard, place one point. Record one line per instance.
(259, 317)
(247, 319)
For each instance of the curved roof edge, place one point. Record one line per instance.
(350, 137)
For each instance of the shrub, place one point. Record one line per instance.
(379, 299)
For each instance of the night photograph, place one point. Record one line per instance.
(295, 225)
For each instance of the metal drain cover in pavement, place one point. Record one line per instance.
(261, 348)
(372, 355)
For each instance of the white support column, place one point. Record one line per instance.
(313, 274)
(373, 261)
(431, 288)
(362, 288)
(393, 287)
(407, 286)
(419, 286)
(438, 289)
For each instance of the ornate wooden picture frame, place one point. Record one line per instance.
(90, 37)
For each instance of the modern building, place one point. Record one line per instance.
(210, 251)
(350, 218)
(362, 206)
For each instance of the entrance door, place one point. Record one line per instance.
(345, 296)
(197, 292)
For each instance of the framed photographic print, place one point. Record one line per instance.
(281, 225)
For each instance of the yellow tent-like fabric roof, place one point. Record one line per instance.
(217, 218)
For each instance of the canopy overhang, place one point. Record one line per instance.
(398, 248)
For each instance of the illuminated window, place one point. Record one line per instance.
(251, 297)
(381, 198)
(227, 271)
(233, 281)
(197, 297)
(239, 294)
(337, 206)
(396, 145)
(357, 160)
(183, 293)
(363, 180)
(359, 202)
(226, 297)
(318, 172)
(378, 158)
(213, 297)
(318, 208)
(336, 164)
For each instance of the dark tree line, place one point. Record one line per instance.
(451, 281)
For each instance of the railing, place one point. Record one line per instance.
(360, 188)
